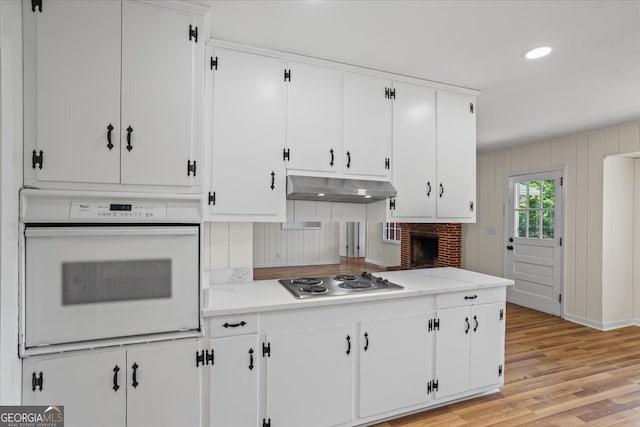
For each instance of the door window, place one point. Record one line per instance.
(535, 209)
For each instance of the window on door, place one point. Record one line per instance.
(391, 232)
(535, 209)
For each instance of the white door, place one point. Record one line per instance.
(72, 90)
(161, 83)
(414, 151)
(456, 129)
(314, 118)
(487, 345)
(394, 364)
(367, 126)
(90, 386)
(453, 345)
(310, 377)
(163, 385)
(247, 167)
(234, 381)
(533, 253)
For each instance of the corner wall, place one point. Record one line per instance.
(582, 155)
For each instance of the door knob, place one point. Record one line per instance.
(510, 247)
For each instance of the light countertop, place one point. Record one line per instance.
(269, 295)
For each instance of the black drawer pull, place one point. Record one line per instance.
(234, 325)
(475, 319)
(471, 297)
(348, 345)
(251, 359)
(466, 320)
(109, 129)
(115, 378)
(134, 377)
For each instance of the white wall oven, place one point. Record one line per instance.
(109, 267)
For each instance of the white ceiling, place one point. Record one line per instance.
(590, 80)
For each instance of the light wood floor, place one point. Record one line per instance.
(557, 374)
(346, 266)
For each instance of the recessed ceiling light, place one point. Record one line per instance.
(538, 52)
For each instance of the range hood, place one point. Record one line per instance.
(338, 189)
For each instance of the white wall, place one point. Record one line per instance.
(274, 247)
(617, 238)
(380, 252)
(582, 155)
(10, 183)
(228, 251)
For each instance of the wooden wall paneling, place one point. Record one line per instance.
(611, 141)
(581, 192)
(516, 159)
(595, 154)
(540, 155)
(526, 157)
(629, 138)
(570, 182)
(636, 243)
(496, 222)
(556, 153)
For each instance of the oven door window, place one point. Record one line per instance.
(90, 283)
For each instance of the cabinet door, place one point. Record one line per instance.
(414, 151)
(163, 385)
(247, 167)
(72, 90)
(309, 377)
(90, 386)
(314, 118)
(487, 345)
(367, 125)
(234, 382)
(452, 351)
(456, 127)
(394, 364)
(161, 95)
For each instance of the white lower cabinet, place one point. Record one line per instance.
(309, 377)
(152, 384)
(395, 364)
(234, 381)
(469, 348)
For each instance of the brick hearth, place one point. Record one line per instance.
(449, 242)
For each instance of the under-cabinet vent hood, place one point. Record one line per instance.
(338, 189)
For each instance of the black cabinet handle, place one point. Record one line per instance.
(441, 189)
(251, 359)
(428, 188)
(332, 157)
(109, 129)
(475, 319)
(348, 345)
(115, 378)
(36, 381)
(129, 132)
(510, 247)
(234, 325)
(348, 159)
(467, 297)
(466, 331)
(135, 382)
(273, 180)
(366, 342)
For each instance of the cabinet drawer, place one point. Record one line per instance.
(473, 297)
(225, 326)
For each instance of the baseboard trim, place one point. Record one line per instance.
(375, 262)
(602, 326)
(297, 264)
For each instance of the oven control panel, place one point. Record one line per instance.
(109, 210)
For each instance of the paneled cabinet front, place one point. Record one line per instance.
(103, 103)
(155, 384)
(248, 137)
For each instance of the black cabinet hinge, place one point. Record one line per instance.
(193, 33)
(429, 387)
(266, 349)
(287, 75)
(436, 324)
(500, 370)
(561, 241)
(191, 168)
(434, 385)
(387, 163)
(204, 357)
(389, 93)
(471, 107)
(471, 206)
(36, 4)
(209, 357)
(212, 198)
(430, 325)
(37, 159)
(560, 298)
(214, 63)
(199, 358)
(561, 180)
(286, 154)
(392, 204)
(266, 423)
(36, 381)
(502, 314)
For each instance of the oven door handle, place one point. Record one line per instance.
(110, 231)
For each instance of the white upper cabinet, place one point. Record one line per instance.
(414, 151)
(113, 95)
(456, 128)
(367, 125)
(248, 137)
(314, 118)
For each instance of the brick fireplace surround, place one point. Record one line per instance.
(449, 242)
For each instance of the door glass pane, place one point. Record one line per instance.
(522, 195)
(548, 224)
(521, 217)
(534, 224)
(534, 194)
(549, 193)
